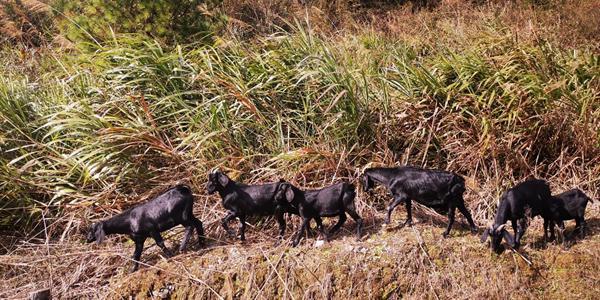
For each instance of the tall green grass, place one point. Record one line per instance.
(129, 114)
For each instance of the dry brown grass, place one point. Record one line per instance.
(24, 21)
(570, 23)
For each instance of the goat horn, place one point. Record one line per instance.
(214, 170)
(368, 165)
(500, 228)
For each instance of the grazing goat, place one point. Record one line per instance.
(242, 200)
(437, 189)
(568, 206)
(335, 200)
(171, 208)
(528, 198)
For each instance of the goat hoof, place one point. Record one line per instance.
(473, 230)
(446, 235)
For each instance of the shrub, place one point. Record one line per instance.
(172, 21)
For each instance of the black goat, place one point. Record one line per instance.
(242, 200)
(171, 208)
(437, 189)
(526, 199)
(335, 200)
(568, 206)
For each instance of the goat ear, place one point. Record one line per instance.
(508, 238)
(366, 182)
(485, 235)
(99, 233)
(223, 179)
(289, 194)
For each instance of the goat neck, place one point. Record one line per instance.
(381, 175)
(503, 212)
(118, 224)
(224, 191)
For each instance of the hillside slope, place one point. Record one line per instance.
(388, 263)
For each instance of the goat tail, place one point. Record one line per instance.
(457, 186)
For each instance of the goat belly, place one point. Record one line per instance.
(329, 213)
(433, 203)
(440, 208)
(166, 224)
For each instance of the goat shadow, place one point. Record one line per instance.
(570, 236)
(374, 223)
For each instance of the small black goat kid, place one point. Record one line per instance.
(526, 199)
(335, 200)
(437, 189)
(242, 200)
(171, 208)
(569, 205)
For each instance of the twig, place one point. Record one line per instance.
(521, 256)
(420, 242)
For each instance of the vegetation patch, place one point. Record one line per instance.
(101, 111)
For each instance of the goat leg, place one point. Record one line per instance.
(199, 230)
(397, 200)
(548, 225)
(225, 222)
(137, 253)
(561, 232)
(580, 227)
(160, 242)
(359, 222)
(300, 232)
(242, 231)
(451, 212)
(338, 225)
(186, 237)
(521, 227)
(408, 221)
(321, 229)
(465, 212)
(281, 222)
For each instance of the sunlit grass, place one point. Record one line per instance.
(132, 114)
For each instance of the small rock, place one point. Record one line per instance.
(361, 249)
(234, 252)
(319, 243)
